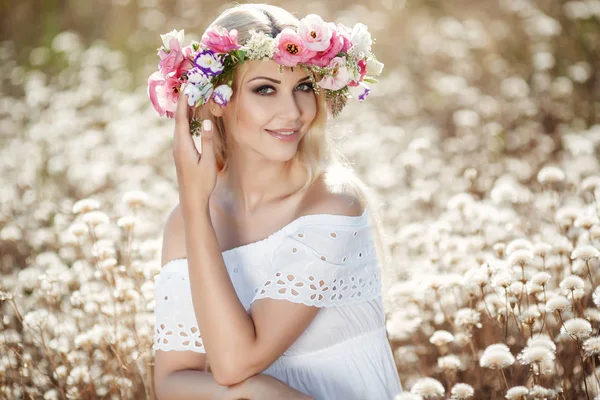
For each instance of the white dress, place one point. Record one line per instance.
(324, 260)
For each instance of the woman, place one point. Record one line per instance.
(268, 267)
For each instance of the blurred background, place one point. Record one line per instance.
(483, 132)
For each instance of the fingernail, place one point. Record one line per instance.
(207, 125)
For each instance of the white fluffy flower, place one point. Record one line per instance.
(519, 244)
(462, 391)
(548, 175)
(592, 346)
(572, 282)
(85, 205)
(541, 278)
(596, 296)
(466, 317)
(558, 304)
(520, 257)
(542, 340)
(135, 199)
(450, 362)
(441, 338)
(535, 354)
(517, 393)
(428, 387)
(577, 327)
(585, 252)
(496, 358)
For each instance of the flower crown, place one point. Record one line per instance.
(337, 59)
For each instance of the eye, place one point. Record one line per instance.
(305, 86)
(264, 90)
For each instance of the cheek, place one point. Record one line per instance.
(308, 104)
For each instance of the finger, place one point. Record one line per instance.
(181, 112)
(207, 140)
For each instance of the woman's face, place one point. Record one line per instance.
(274, 110)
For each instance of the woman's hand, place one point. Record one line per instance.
(196, 172)
(264, 387)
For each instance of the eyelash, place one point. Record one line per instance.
(260, 89)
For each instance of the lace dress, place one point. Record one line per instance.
(323, 260)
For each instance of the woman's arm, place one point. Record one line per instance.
(196, 385)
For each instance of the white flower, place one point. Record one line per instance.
(535, 354)
(585, 252)
(361, 39)
(450, 362)
(85, 205)
(596, 296)
(360, 92)
(519, 244)
(374, 67)
(497, 346)
(135, 199)
(441, 338)
(577, 327)
(541, 278)
(259, 46)
(558, 303)
(520, 257)
(550, 175)
(462, 391)
(592, 346)
(166, 38)
(502, 278)
(586, 221)
(542, 249)
(467, 317)
(95, 218)
(222, 94)
(314, 32)
(539, 392)
(517, 393)
(496, 359)
(542, 340)
(572, 282)
(428, 387)
(591, 183)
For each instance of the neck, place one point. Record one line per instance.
(246, 186)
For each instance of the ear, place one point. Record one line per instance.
(214, 108)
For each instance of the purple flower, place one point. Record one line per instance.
(360, 92)
(222, 94)
(208, 63)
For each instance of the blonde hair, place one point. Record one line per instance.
(316, 150)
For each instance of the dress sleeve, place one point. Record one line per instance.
(176, 326)
(325, 265)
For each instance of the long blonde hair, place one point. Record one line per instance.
(316, 150)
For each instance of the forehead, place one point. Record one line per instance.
(270, 69)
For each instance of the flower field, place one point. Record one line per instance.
(482, 141)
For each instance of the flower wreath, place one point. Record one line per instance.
(337, 59)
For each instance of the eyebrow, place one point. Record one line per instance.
(275, 80)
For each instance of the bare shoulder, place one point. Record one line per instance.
(173, 246)
(324, 198)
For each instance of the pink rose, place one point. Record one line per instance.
(291, 49)
(219, 40)
(175, 61)
(323, 58)
(345, 33)
(339, 77)
(163, 93)
(314, 32)
(362, 72)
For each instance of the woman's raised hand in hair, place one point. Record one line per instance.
(196, 172)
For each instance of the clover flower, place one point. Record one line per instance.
(517, 393)
(496, 357)
(585, 252)
(450, 362)
(591, 346)
(550, 175)
(441, 338)
(558, 304)
(535, 354)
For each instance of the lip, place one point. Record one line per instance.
(284, 138)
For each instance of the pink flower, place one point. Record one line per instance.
(322, 58)
(339, 77)
(346, 33)
(362, 71)
(219, 40)
(163, 93)
(314, 32)
(291, 49)
(175, 61)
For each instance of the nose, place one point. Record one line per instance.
(289, 107)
